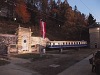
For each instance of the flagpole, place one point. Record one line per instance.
(42, 32)
(40, 40)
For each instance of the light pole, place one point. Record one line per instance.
(0, 13)
(14, 19)
(59, 25)
(98, 30)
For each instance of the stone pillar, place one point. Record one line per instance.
(24, 40)
(29, 45)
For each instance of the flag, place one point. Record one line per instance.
(43, 28)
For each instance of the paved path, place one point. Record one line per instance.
(81, 68)
(12, 69)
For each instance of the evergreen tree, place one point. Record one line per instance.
(91, 20)
(2, 4)
(33, 10)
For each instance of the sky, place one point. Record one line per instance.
(87, 6)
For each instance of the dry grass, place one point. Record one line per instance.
(64, 60)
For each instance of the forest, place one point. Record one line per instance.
(62, 21)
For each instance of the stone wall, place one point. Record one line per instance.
(22, 42)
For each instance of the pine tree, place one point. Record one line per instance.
(91, 20)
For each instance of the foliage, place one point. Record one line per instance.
(33, 13)
(60, 18)
(91, 20)
(2, 4)
(21, 10)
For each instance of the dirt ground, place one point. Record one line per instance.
(58, 62)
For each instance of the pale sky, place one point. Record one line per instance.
(87, 6)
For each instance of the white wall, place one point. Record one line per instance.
(39, 40)
(94, 37)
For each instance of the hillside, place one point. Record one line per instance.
(9, 27)
(62, 21)
(53, 33)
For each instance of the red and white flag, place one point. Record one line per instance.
(43, 28)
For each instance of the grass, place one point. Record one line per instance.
(33, 56)
(3, 62)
